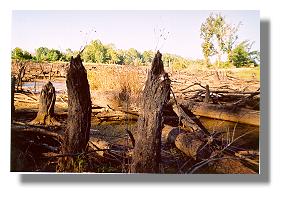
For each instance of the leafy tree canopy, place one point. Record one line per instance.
(242, 55)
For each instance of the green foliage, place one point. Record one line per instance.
(50, 55)
(242, 56)
(132, 57)
(218, 37)
(95, 52)
(19, 54)
(206, 33)
(54, 55)
(147, 57)
(225, 64)
(68, 54)
(176, 62)
(112, 56)
(41, 54)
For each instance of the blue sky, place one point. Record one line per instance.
(125, 29)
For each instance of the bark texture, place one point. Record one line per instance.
(79, 114)
(12, 95)
(45, 114)
(242, 115)
(156, 95)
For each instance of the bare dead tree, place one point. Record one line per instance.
(79, 114)
(12, 95)
(20, 72)
(156, 95)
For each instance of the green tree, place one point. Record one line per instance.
(54, 55)
(68, 54)
(42, 54)
(95, 52)
(220, 30)
(230, 39)
(19, 54)
(121, 56)
(147, 57)
(206, 33)
(112, 57)
(132, 57)
(208, 50)
(167, 60)
(243, 56)
(218, 37)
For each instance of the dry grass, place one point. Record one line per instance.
(249, 73)
(126, 81)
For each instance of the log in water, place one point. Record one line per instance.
(242, 115)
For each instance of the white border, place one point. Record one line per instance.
(12, 185)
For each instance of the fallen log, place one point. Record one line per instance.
(188, 118)
(225, 92)
(31, 130)
(222, 112)
(24, 96)
(188, 142)
(116, 116)
(95, 144)
(200, 152)
(23, 100)
(27, 144)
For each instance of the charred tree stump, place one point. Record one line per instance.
(79, 115)
(155, 96)
(45, 114)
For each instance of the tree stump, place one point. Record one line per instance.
(207, 94)
(156, 95)
(79, 115)
(45, 114)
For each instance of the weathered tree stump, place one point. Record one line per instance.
(79, 115)
(156, 94)
(207, 94)
(45, 114)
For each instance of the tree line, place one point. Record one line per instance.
(219, 38)
(97, 52)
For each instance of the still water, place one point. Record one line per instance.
(36, 87)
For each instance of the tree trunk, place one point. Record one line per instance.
(242, 115)
(207, 61)
(156, 94)
(45, 114)
(207, 94)
(12, 95)
(219, 51)
(20, 74)
(79, 115)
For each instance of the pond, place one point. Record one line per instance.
(247, 136)
(36, 86)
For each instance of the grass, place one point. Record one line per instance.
(125, 81)
(248, 73)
